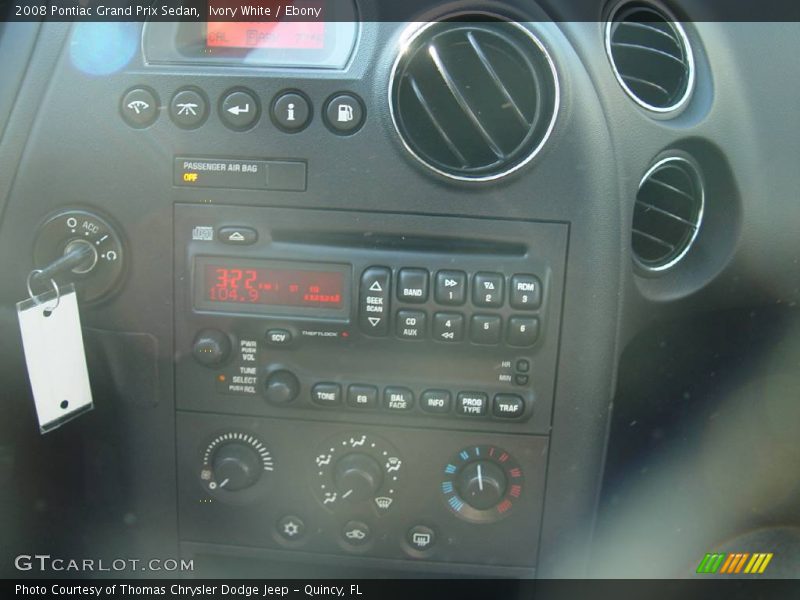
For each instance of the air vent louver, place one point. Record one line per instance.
(651, 56)
(473, 101)
(667, 214)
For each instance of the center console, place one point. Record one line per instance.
(343, 389)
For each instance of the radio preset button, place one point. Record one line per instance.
(374, 301)
(279, 337)
(398, 398)
(451, 287)
(412, 285)
(410, 324)
(509, 406)
(362, 396)
(526, 292)
(472, 404)
(327, 394)
(436, 401)
(237, 236)
(448, 327)
(522, 331)
(485, 329)
(487, 289)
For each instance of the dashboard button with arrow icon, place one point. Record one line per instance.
(239, 109)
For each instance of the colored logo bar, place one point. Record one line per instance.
(734, 562)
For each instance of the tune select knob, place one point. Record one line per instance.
(211, 347)
(482, 484)
(358, 476)
(281, 387)
(236, 466)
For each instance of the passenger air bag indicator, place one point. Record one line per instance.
(278, 175)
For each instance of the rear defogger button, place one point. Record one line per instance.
(373, 305)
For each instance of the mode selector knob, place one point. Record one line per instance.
(358, 476)
(212, 347)
(236, 466)
(482, 484)
(281, 387)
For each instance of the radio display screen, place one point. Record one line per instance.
(284, 35)
(233, 283)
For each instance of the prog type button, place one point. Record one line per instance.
(472, 404)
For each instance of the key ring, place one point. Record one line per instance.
(35, 298)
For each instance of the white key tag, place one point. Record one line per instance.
(51, 337)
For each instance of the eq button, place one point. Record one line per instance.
(374, 301)
(362, 396)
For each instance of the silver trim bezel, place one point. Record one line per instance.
(410, 35)
(684, 39)
(700, 213)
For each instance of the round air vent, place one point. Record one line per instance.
(667, 214)
(473, 101)
(650, 55)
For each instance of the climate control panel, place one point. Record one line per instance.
(379, 491)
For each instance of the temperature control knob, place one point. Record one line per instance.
(358, 476)
(482, 484)
(236, 466)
